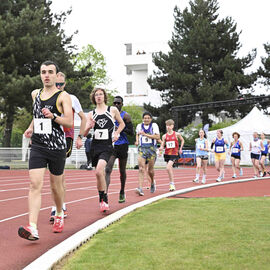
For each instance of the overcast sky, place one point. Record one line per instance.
(109, 24)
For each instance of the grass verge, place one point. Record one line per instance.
(211, 233)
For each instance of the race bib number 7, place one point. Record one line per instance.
(101, 134)
(42, 126)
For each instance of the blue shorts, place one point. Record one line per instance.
(148, 152)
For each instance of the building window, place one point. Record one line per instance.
(129, 71)
(128, 49)
(129, 87)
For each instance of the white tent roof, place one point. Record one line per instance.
(256, 120)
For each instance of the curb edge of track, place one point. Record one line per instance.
(54, 255)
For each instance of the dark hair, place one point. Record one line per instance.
(92, 95)
(120, 98)
(238, 135)
(49, 62)
(147, 113)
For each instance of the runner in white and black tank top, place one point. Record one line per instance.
(103, 129)
(55, 140)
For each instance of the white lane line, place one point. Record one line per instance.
(128, 190)
(55, 254)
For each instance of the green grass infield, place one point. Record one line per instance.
(204, 233)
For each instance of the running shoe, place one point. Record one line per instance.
(196, 180)
(234, 176)
(153, 187)
(65, 212)
(139, 191)
(122, 197)
(203, 180)
(261, 174)
(241, 172)
(218, 179)
(264, 174)
(58, 224)
(172, 187)
(255, 176)
(28, 232)
(104, 206)
(52, 216)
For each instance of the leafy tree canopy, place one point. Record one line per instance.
(202, 64)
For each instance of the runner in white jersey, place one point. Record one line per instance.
(255, 147)
(69, 134)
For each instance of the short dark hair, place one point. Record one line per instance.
(49, 62)
(120, 98)
(147, 113)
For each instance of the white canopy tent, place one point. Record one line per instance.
(256, 120)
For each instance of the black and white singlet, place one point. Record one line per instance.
(103, 129)
(47, 133)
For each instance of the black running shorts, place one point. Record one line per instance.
(98, 152)
(121, 151)
(43, 158)
(167, 158)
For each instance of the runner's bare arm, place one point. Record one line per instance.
(179, 136)
(119, 119)
(82, 129)
(162, 142)
(129, 127)
(90, 123)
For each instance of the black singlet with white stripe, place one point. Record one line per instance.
(103, 129)
(55, 140)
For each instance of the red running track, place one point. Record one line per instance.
(82, 205)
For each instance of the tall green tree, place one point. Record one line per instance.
(89, 55)
(202, 64)
(264, 71)
(89, 70)
(29, 34)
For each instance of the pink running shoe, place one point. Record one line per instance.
(58, 224)
(28, 232)
(104, 206)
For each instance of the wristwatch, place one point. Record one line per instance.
(54, 116)
(80, 136)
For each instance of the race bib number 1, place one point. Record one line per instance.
(170, 144)
(101, 134)
(42, 126)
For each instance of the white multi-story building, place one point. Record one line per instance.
(138, 67)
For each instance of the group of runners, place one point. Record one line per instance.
(258, 148)
(52, 134)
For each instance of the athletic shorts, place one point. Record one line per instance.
(167, 158)
(148, 153)
(98, 152)
(42, 158)
(236, 157)
(202, 157)
(263, 154)
(69, 141)
(121, 151)
(220, 156)
(255, 156)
